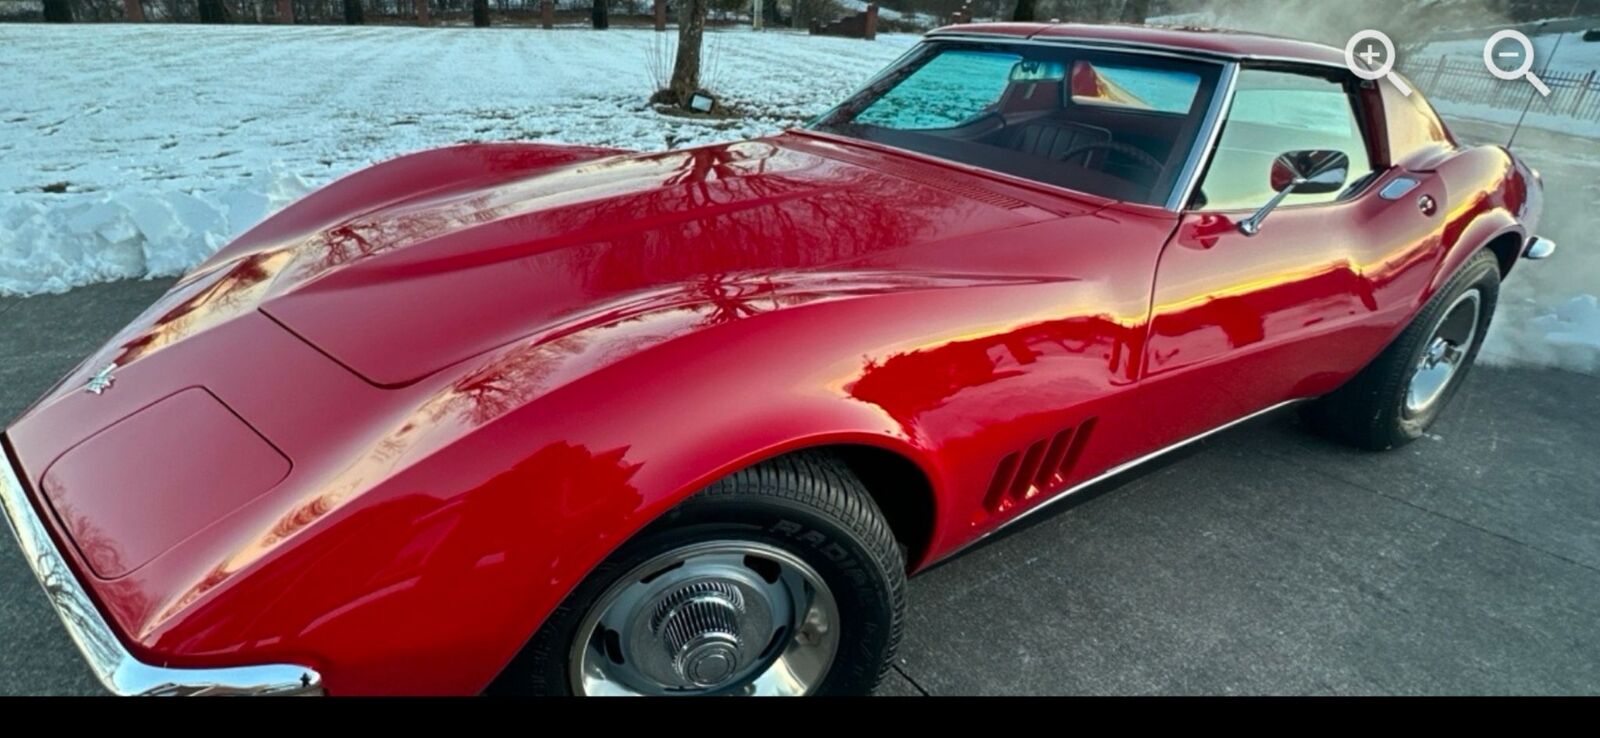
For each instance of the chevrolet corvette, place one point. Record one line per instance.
(535, 418)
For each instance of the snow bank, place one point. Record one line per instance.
(1567, 338)
(1565, 52)
(75, 239)
(138, 150)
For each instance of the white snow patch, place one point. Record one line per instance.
(75, 239)
(1568, 337)
(138, 150)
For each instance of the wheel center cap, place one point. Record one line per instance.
(709, 663)
(699, 626)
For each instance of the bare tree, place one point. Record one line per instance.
(1024, 11)
(686, 69)
(1135, 11)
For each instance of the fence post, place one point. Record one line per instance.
(424, 15)
(1438, 71)
(661, 15)
(132, 11)
(286, 12)
(547, 15)
(1583, 91)
(870, 26)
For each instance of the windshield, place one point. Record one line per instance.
(1117, 125)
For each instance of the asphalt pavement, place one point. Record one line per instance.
(1262, 561)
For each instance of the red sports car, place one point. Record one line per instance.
(570, 420)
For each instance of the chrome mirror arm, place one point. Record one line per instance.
(1252, 225)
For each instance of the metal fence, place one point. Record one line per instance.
(1462, 80)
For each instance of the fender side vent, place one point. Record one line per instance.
(1041, 468)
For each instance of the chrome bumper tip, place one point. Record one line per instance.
(1539, 249)
(116, 668)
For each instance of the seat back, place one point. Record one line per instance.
(1049, 139)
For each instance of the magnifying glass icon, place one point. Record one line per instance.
(1524, 68)
(1369, 53)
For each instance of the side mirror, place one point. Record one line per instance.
(1308, 172)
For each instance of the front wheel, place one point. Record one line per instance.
(1400, 394)
(782, 579)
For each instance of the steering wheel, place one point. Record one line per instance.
(1139, 156)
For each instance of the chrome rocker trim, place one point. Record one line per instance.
(117, 669)
(1118, 470)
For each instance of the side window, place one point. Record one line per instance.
(953, 88)
(1275, 112)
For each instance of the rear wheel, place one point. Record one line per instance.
(1400, 394)
(782, 579)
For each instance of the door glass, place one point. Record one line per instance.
(1272, 113)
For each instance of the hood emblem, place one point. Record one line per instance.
(101, 381)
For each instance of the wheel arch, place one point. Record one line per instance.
(1497, 230)
(897, 476)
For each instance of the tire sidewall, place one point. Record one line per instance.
(1479, 274)
(861, 589)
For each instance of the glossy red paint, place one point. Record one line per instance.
(476, 371)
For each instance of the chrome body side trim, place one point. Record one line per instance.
(1119, 469)
(115, 667)
(1539, 248)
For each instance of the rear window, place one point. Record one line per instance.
(1136, 88)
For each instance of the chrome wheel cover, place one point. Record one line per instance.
(1445, 353)
(714, 618)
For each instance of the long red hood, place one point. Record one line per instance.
(400, 290)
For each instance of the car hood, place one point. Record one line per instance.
(404, 289)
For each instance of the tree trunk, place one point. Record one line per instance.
(1024, 11)
(354, 14)
(686, 69)
(1135, 11)
(214, 11)
(480, 13)
(597, 14)
(57, 11)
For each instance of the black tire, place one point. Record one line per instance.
(1370, 411)
(807, 504)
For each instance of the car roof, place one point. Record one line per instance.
(1208, 42)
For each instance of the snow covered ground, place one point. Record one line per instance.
(134, 151)
(138, 150)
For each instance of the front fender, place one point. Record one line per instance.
(469, 508)
(432, 171)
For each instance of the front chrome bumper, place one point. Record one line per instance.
(117, 669)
